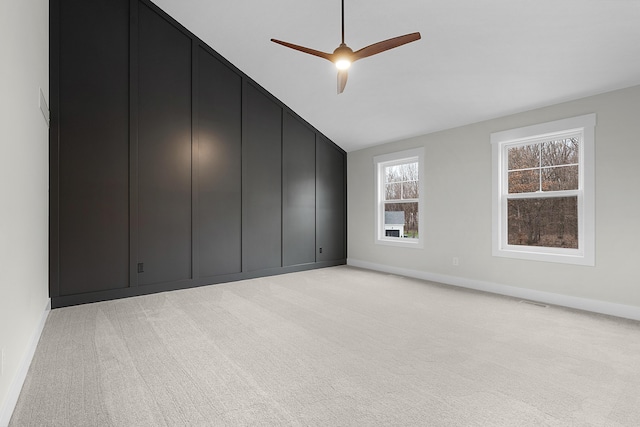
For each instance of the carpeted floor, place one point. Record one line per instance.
(331, 347)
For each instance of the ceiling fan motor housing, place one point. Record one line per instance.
(343, 52)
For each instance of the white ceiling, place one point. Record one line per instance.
(477, 59)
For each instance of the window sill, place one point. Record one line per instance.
(403, 243)
(569, 256)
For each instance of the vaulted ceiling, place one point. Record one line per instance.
(477, 59)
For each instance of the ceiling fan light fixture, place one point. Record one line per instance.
(343, 64)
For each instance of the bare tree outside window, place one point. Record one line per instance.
(550, 220)
(544, 191)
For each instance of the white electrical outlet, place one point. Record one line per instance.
(455, 261)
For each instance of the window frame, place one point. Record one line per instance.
(584, 126)
(391, 159)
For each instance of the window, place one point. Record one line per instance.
(543, 191)
(399, 198)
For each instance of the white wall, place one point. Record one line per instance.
(458, 210)
(24, 168)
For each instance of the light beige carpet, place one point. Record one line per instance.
(332, 347)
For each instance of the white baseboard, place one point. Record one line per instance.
(16, 386)
(595, 306)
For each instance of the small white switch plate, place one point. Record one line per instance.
(455, 261)
(44, 107)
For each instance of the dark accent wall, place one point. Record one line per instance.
(298, 192)
(164, 150)
(262, 181)
(170, 168)
(331, 201)
(92, 147)
(219, 167)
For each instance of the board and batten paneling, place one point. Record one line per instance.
(93, 153)
(331, 202)
(219, 167)
(167, 158)
(261, 181)
(298, 192)
(164, 150)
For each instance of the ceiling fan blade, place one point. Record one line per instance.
(385, 45)
(314, 52)
(342, 80)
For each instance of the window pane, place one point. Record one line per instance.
(551, 222)
(410, 190)
(560, 178)
(392, 191)
(401, 219)
(410, 171)
(523, 157)
(560, 152)
(393, 173)
(524, 181)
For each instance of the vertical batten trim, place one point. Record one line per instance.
(133, 142)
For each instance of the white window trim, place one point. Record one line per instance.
(585, 254)
(380, 162)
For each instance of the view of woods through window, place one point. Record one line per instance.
(542, 201)
(401, 194)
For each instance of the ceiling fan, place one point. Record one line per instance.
(344, 56)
